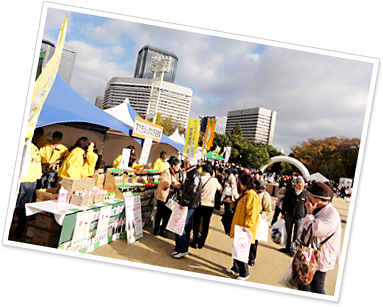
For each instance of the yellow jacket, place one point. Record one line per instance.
(247, 213)
(159, 165)
(34, 171)
(51, 155)
(117, 163)
(89, 163)
(72, 166)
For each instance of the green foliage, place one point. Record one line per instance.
(243, 151)
(333, 157)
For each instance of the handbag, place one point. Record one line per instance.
(227, 217)
(305, 261)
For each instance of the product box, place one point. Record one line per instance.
(45, 238)
(47, 222)
(79, 200)
(111, 181)
(99, 180)
(46, 194)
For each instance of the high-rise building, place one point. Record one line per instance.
(257, 124)
(68, 59)
(174, 101)
(99, 101)
(144, 63)
(220, 126)
(47, 50)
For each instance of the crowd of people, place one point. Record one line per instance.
(205, 187)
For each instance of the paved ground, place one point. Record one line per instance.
(216, 255)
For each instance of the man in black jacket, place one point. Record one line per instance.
(190, 198)
(294, 210)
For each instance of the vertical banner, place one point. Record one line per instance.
(44, 82)
(227, 154)
(191, 138)
(216, 151)
(133, 219)
(209, 135)
(145, 151)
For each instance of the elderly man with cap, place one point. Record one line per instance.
(326, 225)
(294, 210)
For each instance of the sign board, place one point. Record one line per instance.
(125, 158)
(145, 151)
(143, 129)
(191, 138)
(133, 219)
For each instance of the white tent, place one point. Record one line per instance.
(125, 113)
(317, 177)
(177, 137)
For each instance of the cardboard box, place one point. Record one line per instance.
(99, 180)
(79, 200)
(47, 194)
(47, 222)
(45, 238)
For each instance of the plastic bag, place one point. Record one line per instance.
(171, 203)
(241, 244)
(262, 233)
(227, 191)
(279, 233)
(177, 220)
(286, 278)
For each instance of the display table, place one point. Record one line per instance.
(83, 229)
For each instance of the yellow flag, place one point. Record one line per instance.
(44, 82)
(191, 138)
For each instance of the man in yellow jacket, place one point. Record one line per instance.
(117, 161)
(160, 163)
(51, 156)
(73, 164)
(27, 188)
(39, 139)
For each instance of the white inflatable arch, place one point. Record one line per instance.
(295, 162)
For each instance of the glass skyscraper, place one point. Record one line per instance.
(144, 63)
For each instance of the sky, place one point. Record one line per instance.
(314, 95)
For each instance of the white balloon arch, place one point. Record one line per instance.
(295, 162)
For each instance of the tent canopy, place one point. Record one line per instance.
(126, 113)
(317, 177)
(177, 137)
(210, 156)
(64, 105)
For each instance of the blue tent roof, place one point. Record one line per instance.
(64, 105)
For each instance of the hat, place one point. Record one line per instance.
(259, 185)
(320, 190)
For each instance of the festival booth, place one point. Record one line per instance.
(92, 211)
(125, 113)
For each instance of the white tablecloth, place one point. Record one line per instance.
(59, 210)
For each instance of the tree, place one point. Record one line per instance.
(333, 157)
(168, 124)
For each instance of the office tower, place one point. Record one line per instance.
(47, 50)
(68, 59)
(257, 124)
(220, 126)
(99, 101)
(174, 101)
(144, 63)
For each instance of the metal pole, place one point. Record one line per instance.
(158, 97)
